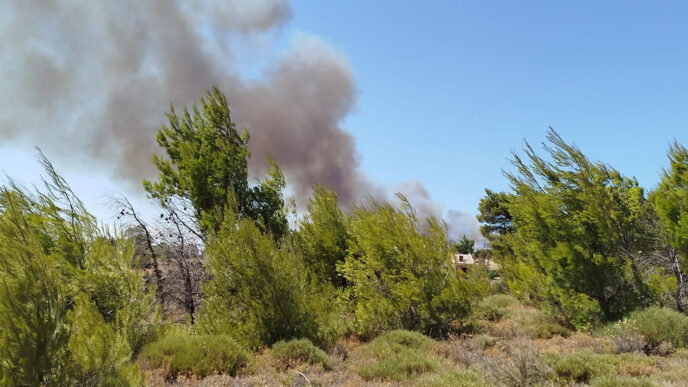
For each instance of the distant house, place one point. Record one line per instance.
(465, 261)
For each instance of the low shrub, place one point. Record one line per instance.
(660, 330)
(399, 366)
(494, 307)
(290, 353)
(200, 355)
(620, 381)
(398, 341)
(547, 330)
(484, 341)
(523, 367)
(400, 355)
(462, 378)
(581, 367)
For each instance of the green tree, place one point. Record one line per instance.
(323, 235)
(207, 160)
(402, 278)
(465, 246)
(577, 228)
(670, 202)
(72, 310)
(494, 214)
(262, 292)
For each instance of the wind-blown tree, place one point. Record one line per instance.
(577, 229)
(495, 219)
(670, 202)
(323, 235)
(206, 160)
(465, 245)
(72, 310)
(402, 278)
(260, 291)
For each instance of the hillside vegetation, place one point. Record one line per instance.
(229, 286)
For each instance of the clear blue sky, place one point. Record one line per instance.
(447, 89)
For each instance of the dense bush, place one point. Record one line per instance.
(262, 292)
(494, 307)
(402, 278)
(547, 330)
(72, 310)
(400, 355)
(292, 352)
(652, 327)
(575, 227)
(581, 367)
(200, 355)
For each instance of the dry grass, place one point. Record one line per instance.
(501, 353)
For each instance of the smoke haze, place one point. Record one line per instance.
(88, 81)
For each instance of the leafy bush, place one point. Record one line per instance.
(523, 367)
(484, 341)
(463, 378)
(400, 355)
(581, 367)
(494, 307)
(654, 326)
(292, 352)
(200, 355)
(399, 366)
(398, 341)
(72, 310)
(547, 330)
(564, 251)
(620, 381)
(403, 278)
(262, 292)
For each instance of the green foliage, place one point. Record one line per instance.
(72, 310)
(671, 199)
(200, 355)
(323, 235)
(296, 351)
(260, 292)
(494, 307)
(576, 227)
(402, 278)
(399, 340)
(581, 367)
(547, 330)
(621, 381)
(206, 162)
(464, 246)
(494, 214)
(462, 378)
(400, 355)
(655, 326)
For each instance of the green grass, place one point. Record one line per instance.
(293, 352)
(200, 355)
(621, 381)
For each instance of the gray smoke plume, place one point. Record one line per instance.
(92, 79)
(88, 81)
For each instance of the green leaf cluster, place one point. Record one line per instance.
(207, 160)
(403, 278)
(72, 310)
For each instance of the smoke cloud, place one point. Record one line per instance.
(88, 81)
(93, 79)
